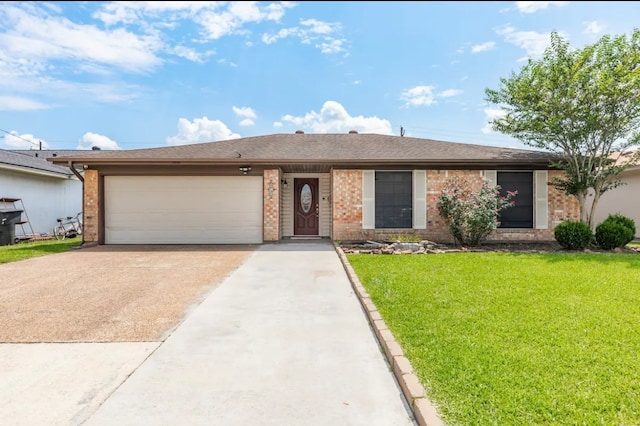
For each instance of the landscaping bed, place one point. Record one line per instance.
(430, 247)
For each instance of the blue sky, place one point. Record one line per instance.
(127, 75)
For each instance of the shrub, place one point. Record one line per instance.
(470, 215)
(626, 221)
(573, 235)
(615, 231)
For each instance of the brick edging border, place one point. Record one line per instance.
(423, 410)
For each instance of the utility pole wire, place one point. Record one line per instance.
(20, 137)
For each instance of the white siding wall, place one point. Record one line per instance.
(44, 198)
(624, 199)
(286, 205)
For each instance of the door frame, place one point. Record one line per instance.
(296, 201)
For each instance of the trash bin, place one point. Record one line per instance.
(8, 220)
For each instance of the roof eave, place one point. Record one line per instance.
(34, 171)
(275, 162)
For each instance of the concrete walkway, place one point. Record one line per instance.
(281, 341)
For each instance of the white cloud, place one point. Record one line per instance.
(277, 124)
(334, 118)
(491, 114)
(332, 46)
(534, 43)
(216, 19)
(593, 27)
(357, 82)
(324, 35)
(419, 96)
(244, 112)
(247, 122)
(17, 103)
(483, 47)
(534, 6)
(449, 93)
(39, 43)
(426, 95)
(39, 37)
(14, 140)
(227, 62)
(201, 130)
(89, 140)
(217, 24)
(192, 54)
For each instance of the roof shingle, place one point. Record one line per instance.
(322, 148)
(12, 158)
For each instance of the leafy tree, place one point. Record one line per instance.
(582, 104)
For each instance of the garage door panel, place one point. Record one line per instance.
(183, 209)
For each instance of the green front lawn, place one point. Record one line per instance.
(516, 339)
(27, 249)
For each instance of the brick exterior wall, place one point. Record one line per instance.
(346, 205)
(561, 207)
(271, 205)
(91, 208)
(347, 209)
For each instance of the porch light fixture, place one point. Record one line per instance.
(284, 183)
(245, 169)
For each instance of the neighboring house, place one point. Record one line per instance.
(624, 199)
(45, 191)
(340, 186)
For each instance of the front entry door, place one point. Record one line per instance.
(306, 211)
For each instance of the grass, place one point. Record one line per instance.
(28, 249)
(516, 339)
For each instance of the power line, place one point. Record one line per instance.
(20, 137)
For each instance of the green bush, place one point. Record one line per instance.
(615, 231)
(573, 235)
(626, 221)
(472, 215)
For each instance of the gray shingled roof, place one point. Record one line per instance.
(343, 149)
(46, 153)
(17, 159)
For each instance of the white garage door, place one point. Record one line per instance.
(183, 209)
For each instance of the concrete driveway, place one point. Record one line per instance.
(109, 293)
(75, 325)
(278, 340)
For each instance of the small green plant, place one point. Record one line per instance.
(573, 235)
(407, 238)
(615, 231)
(471, 216)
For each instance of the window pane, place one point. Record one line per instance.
(393, 200)
(520, 216)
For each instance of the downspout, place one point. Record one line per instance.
(75, 172)
(81, 178)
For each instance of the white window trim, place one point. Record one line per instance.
(418, 195)
(540, 197)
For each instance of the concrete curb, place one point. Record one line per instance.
(423, 410)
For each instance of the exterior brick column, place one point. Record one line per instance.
(271, 205)
(346, 205)
(91, 208)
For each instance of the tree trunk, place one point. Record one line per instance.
(594, 205)
(582, 201)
